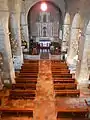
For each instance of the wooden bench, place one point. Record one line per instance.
(59, 67)
(29, 68)
(65, 86)
(71, 108)
(81, 113)
(17, 111)
(59, 71)
(55, 63)
(30, 64)
(64, 81)
(31, 61)
(28, 74)
(28, 71)
(26, 80)
(23, 86)
(22, 94)
(72, 93)
(62, 76)
(59, 78)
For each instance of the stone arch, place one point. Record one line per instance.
(50, 3)
(66, 33)
(82, 71)
(54, 24)
(87, 45)
(29, 4)
(74, 39)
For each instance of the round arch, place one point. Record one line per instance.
(87, 45)
(74, 38)
(66, 33)
(27, 5)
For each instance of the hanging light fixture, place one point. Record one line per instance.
(43, 6)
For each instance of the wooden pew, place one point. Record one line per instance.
(28, 74)
(59, 78)
(62, 70)
(31, 61)
(26, 80)
(82, 114)
(23, 86)
(28, 71)
(60, 73)
(58, 62)
(61, 63)
(64, 80)
(65, 86)
(74, 93)
(71, 108)
(62, 76)
(59, 67)
(22, 94)
(29, 68)
(30, 64)
(17, 111)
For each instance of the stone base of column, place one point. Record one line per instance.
(69, 61)
(83, 85)
(18, 61)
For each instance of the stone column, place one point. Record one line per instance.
(66, 33)
(74, 38)
(82, 74)
(88, 44)
(24, 28)
(5, 48)
(15, 34)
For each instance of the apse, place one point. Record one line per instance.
(44, 21)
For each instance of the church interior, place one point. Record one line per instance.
(44, 60)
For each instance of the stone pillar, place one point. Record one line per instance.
(15, 34)
(66, 33)
(24, 28)
(82, 65)
(88, 44)
(5, 48)
(74, 38)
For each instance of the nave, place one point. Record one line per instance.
(44, 90)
